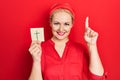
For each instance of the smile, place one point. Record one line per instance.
(60, 33)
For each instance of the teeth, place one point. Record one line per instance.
(61, 33)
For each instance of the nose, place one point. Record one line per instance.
(61, 28)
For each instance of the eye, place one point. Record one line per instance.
(66, 24)
(56, 23)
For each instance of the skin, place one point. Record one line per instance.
(61, 25)
(95, 64)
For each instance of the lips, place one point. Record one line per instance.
(60, 33)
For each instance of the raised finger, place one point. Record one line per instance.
(87, 22)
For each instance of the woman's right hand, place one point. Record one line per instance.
(35, 51)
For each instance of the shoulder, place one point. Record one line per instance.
(78, 45)
(80, 48)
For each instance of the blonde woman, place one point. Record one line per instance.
(61, 59)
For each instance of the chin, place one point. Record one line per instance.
(61, 37)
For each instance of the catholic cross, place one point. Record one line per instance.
(36, 33)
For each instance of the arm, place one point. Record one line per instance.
(35, 51)
(95, 65)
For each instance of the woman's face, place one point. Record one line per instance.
(61, 24)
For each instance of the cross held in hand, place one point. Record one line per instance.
(36, 33)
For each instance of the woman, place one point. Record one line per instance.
(61, 59)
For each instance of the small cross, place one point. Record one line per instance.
(36, 33)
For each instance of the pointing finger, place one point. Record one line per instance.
(87, 22)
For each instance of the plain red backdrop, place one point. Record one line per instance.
(18, 16)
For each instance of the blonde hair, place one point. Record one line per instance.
(61, 10)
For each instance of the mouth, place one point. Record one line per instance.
(60, 33)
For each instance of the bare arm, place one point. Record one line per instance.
(35, 51)
(95, 65)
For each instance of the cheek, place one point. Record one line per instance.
(68, 29)
(54, 28)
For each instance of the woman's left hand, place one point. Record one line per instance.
(90, 35)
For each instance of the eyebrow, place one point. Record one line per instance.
(64, 22)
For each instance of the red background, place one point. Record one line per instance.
(18, 16)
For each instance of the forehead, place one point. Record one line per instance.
(61, 15)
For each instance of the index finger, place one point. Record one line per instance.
(86, 22)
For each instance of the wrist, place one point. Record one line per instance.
(91, 45)
(36, 61)
(36, 58)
